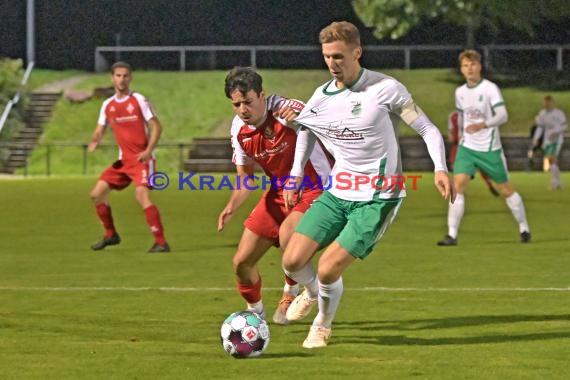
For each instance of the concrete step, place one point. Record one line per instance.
(208, 165)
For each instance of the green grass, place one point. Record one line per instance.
(482, 310)
(39, 77)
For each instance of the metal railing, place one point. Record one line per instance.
(76, 160)
(11, 103)
(101, 63)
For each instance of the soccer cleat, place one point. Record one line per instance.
(280, 315)
(447, 241)
(318, 337)
(525, 237)
(159, 248)
(300, 307)
(113, 240)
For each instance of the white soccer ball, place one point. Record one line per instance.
(244, 334)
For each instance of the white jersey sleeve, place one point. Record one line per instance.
(239, 157)
(146, 108)
(102, 120)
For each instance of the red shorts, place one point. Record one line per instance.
(270, 212)
(120, 174)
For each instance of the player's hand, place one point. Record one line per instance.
(92, 146)
(286, 113)
(475, 127)
(224, 218)
(144, 155)
(292, 192)
(445, 185)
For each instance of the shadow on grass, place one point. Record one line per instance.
(446, 323)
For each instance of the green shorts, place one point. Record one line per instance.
(356, 226)
(492, 163)
(552, 149)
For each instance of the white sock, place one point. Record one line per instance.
(256, 307)
(329, 299)
(306, 277)
(516, 205)
(455, 214)
(291, 289)
(555, 176)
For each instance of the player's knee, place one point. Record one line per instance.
(327, 274)
(292, 262)
(95, 196)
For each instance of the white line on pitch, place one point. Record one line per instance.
(209, 289)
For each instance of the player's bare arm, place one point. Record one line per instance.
(96, 138)
(239, 194)
(155, 132)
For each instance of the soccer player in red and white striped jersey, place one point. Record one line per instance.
(137, 131)
(261, 135)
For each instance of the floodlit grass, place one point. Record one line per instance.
(491, 308)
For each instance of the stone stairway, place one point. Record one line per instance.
(38, 112)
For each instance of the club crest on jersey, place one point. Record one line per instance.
(356, 107)
(269, 133)
(480, 98)
(130, 108)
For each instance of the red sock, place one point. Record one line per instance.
(153, 220)
(250, 293)
(290, 281)
(104, 213)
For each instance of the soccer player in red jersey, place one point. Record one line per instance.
(260, 135)
(130, 115)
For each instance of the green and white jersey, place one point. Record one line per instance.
(551, 124)
(358, 126)
(479, 104)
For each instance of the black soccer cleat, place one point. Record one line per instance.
(113, 240)
(525, 237)
(159, 248)
(447, 241)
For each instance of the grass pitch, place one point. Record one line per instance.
(491, 308)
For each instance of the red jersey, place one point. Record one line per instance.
(272, 146)
(128, 118)
(453, 127)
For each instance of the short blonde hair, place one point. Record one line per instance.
(340, 31)
(470, 55)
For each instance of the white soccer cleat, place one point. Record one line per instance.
(318, 337)
(300, 307)
(280, 316)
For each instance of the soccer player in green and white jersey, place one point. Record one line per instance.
(551, 123)
(482, 111)
(355, 115)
